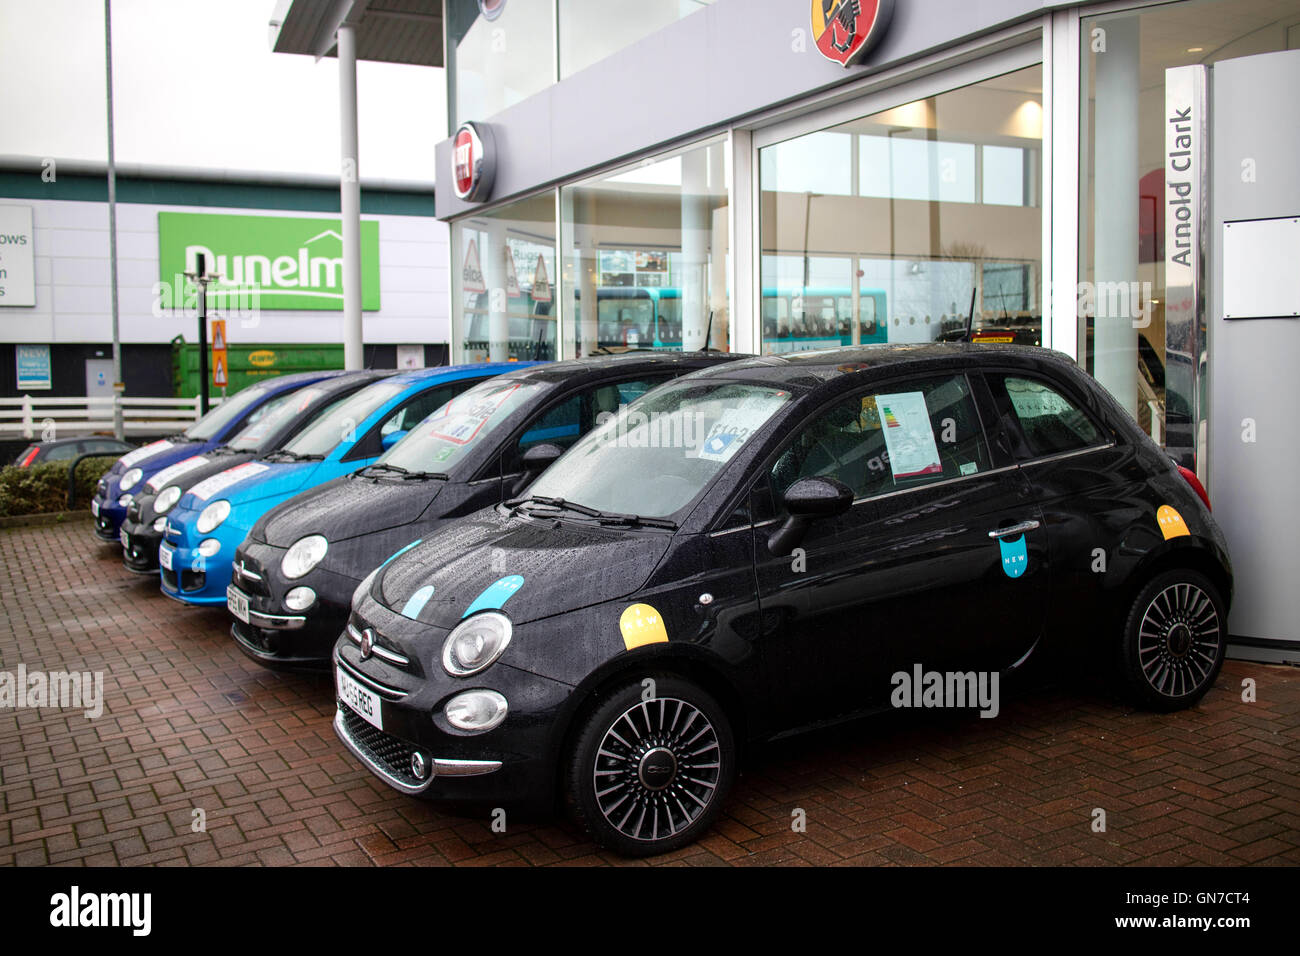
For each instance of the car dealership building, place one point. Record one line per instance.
(1115, 180)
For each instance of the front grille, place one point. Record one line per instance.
(190, 580)
(169, 579)
(380, 747)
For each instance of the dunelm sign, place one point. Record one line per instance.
(278, 262)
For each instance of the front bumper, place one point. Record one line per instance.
(193, 578)
(514, 764)
(108, 516)
(274, 636)
(140, 547)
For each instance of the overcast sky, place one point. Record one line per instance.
(196, 85)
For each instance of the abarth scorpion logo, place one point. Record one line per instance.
(846, 30)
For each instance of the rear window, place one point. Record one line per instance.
(1050, 423)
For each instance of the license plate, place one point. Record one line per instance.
(94, 508)
(237, 601)
(364, 702)
(165, 557)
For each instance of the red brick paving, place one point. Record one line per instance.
(190, 724)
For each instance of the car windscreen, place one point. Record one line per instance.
(231, 410)
(343, 419)
(447, 436)
(271, 417)
(657, 455)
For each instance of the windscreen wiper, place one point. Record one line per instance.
(383, 466)
(285, 455)
(603, 517)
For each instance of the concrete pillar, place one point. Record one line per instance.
(692, 275)
(350, 198)
(492, 257)
(1115, 253)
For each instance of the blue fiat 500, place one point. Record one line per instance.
(212, 519)
(127, 477)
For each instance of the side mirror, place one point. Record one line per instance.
(536, 460)
(807, 500)
(391, 439)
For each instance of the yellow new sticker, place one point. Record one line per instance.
(641, 625)
(1172, 524)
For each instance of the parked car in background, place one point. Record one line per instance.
(295, 573)
(116, 490)
(844, 521)
(66, 449)
(213, 517)
(283, 417)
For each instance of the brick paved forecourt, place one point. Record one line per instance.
(190, 724)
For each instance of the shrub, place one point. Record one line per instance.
(44, 488)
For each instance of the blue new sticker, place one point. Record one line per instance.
(495, 595)
(1015, 556)
(416, 602)
(402, 551)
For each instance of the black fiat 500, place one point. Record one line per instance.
(769, 545)
(269, 429)
(481, 448)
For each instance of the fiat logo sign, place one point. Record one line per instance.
(473, 162)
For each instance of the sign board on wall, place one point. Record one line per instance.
(292, 263)
(34, 367)
(17, 258)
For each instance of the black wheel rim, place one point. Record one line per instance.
(657, 769)
(1178, 640)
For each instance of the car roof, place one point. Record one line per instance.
(814, 369)
(418, 375)
(598, 366)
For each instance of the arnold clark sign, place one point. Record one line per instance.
(272, 262)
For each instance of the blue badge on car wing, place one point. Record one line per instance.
(495, 595)
(416, 602)
(1015, 556)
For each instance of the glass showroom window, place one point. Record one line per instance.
(648, 246)
(503, 285)
(1122, 187)
(883, 228)
(591, 30)
(498, 53)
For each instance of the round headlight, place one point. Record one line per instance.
(303, 555)
(475, 643)
(166, 499)
(299, 599)
(125, 500)
(476, 710)
(160, 525)
(209, 546)
(130, 479)
(212, 516)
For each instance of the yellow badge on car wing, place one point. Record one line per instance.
(1171, 522)
(641, 625)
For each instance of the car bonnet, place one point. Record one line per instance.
(528, 568)
(348, 508)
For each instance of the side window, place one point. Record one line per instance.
(406, 417)
(1050, 423)
(63, 452)
(910, 434)
(565, 423)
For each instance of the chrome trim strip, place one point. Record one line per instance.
(388, 693)
(377, 650)
(464, 768)
(242, 568)
(1066, 454)
(276, 622)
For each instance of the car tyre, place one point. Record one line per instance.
(648, 775)
(1174, 640)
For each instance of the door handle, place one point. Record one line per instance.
(1014, 530)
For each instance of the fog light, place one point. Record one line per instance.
(160, 525)
(419, 766)
(299, 599)
(125, 500)
(209, 546)
(476, 710)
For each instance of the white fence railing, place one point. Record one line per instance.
(47, 418)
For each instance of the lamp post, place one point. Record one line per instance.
(201, 278)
